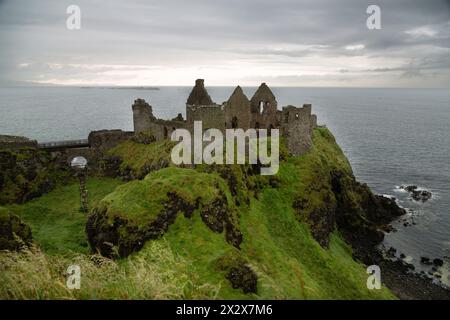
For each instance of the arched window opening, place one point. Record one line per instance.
(234, 123)
(261, 107)
(165, 133)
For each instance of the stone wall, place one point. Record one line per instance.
(296, 128)
(313, 121)
(145, 121)
(212, 116)
(99, 143)
(162, 129)
(102, 140)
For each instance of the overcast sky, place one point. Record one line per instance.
(227, 42)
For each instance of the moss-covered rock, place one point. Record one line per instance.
(14, 233)
(238, 272)
(25, 173)
(134, 159)
(144, 209)
(236, 177)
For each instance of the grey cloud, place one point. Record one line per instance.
(197, 33)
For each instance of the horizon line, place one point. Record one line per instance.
(30, 84)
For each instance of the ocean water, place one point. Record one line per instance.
(392, 137)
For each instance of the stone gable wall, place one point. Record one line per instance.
(237, 111)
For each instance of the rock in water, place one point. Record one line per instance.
(425, 260)
(416, 194)
(421, 195)
(410, 188)
(438, 262)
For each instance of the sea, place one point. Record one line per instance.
(392, 137)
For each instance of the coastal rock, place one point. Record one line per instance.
(438, 262)
(409, 188)
(391, 252)
(416, 193)
(421, 195)
(425, 261)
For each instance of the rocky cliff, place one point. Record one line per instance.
(238, 225)
(215, 231)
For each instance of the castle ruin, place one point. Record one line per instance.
(260, 112)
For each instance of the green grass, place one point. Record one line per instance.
(142, 200)
(143, 158)
(289, 262)
(157, 273)
(55, 218)
(189, 259)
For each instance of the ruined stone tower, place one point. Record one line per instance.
(296, 127)
(142, 115)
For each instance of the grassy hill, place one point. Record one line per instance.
(210, 232)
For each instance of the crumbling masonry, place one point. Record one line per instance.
(260, 112)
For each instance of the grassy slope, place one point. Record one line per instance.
(289, 262)
(56, 222)
(140, 158)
